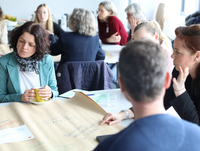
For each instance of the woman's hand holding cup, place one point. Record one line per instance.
(43, 94)
(28, 95)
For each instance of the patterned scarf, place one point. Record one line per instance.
(27, 64)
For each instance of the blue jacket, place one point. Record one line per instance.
(76, 47)
(10, 90)
(160, 132)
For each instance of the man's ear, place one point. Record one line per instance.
(121, 85)
(167, 80)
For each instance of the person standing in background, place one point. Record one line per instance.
(44, 17)
(3, 29)
(111, 29)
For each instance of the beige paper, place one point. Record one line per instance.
(108, 55)
(60, 125)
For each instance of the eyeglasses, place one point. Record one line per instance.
(129, 15)
(101, 11)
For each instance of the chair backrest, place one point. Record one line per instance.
(160, 18)
(4, 49)
(84, 75)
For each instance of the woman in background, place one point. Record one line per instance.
(28, 66)
(83, 43)
(3, 29)
(111, 29)
(151, 29)
(184, 92)
(136, 13)
(43, 16)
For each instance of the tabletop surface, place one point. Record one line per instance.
(120, 104)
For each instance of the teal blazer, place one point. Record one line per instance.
(10, 90)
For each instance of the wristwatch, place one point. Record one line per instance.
(126, 112)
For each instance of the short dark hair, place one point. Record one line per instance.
(143, 68)
(40, 34)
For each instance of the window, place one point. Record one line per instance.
(189, 6)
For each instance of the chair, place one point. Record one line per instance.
(160, 18)
(84, 75)
(4, 49)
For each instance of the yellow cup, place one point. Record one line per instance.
(38, 98)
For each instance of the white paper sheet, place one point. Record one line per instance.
(17, 134)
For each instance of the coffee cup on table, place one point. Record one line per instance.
(37, 95)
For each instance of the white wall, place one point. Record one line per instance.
(23, 9)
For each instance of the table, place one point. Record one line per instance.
(114, 50)
(121, 104)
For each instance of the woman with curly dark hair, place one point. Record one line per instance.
(28, 66)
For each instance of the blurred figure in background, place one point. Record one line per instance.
(136, 13)
(151, 29)
(111, 29)
(193, 18)
(3, 29)
(83, 43)
(44, 17)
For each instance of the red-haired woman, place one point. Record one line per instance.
(184, 92)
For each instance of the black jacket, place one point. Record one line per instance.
(193, 18)
(186, 105)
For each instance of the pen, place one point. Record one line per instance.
(90, 94)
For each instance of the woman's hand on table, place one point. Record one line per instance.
(45, 92)
(113, 118)
(28, 95)
(179, 83)
(115, 38)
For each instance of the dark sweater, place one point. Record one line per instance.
(75, 47)
(193, 18)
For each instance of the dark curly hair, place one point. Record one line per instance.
(40, 34)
